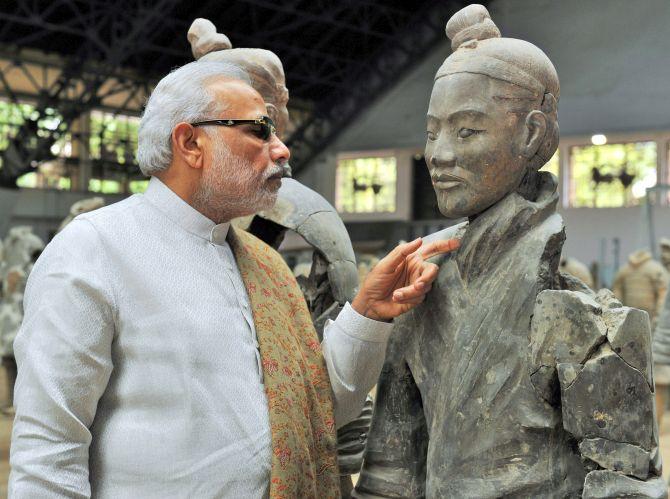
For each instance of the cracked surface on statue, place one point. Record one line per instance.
(511, 379)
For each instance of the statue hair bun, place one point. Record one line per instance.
(204, 39)
(472, 23)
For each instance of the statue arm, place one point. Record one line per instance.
(660, 288)
(591, 357)
(395, 457)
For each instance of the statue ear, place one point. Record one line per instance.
(536, 127)
(273, 113)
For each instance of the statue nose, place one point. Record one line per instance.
(443, 159)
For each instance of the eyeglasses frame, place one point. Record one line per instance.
(263, 120)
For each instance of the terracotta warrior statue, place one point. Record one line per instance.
(642, 283)
(576, 269)
(333, 278)
(511, 379)
(22, 247)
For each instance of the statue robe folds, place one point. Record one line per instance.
(458, 413)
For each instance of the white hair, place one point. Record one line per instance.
(181, 96)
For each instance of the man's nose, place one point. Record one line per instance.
(279, 153)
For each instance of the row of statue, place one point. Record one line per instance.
(513, 378)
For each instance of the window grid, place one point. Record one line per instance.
(366, 185)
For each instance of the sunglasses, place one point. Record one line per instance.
(262, 127)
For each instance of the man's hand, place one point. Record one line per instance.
(400, 281)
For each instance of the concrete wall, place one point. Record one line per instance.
(587, 229)
(41, 208)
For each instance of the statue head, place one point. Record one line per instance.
(263, 66)
(492, 116)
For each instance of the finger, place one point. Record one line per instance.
(438, 248)
(397, 256)
(428, 274)
(411, 301)
(410, 292)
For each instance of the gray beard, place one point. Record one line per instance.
(231, 188)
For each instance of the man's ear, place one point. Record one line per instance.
(187, 145)
(536, 127)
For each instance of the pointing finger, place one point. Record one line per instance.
(439, 247)
(397, 256)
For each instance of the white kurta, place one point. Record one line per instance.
(139, 372)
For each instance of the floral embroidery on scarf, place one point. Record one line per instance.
(304, 456)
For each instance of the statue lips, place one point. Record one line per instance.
(445, 181)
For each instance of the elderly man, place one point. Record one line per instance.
(164, 354)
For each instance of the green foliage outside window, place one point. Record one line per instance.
(29, 180)
(113, 137)
(105, 186)
(612, 162)
(138, 186)
(11, 117)
(366, 185)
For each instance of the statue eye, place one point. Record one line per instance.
(431, 135)
(464, 133)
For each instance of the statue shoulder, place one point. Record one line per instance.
(454, 232)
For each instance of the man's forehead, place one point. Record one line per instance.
(236, 94)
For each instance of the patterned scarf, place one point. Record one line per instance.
(304, 450)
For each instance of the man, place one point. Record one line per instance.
(167, 355)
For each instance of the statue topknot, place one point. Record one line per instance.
(472, 23)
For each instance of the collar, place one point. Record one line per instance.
(499, 229)
(183, 214)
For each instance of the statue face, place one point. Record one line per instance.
(278, 110)
(474, 143)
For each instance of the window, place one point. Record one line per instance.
(611, 175)
(138, 186)
(113, 137)
(52, 173)
(366, 185)
(105, 186)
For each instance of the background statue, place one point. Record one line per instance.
(664, 244)
(576, 269)
(488, 388)
(642, 283)
(82, 206)
(21, 249)
(661, 346)
(333, 278)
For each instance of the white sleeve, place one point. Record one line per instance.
(354, 348)
(63, 353)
